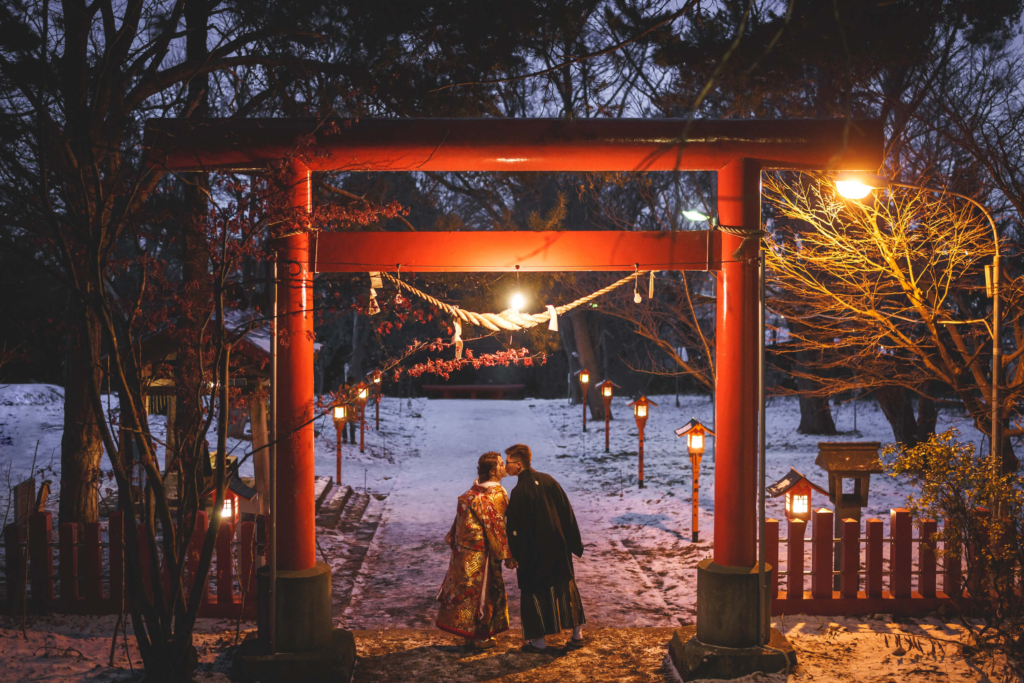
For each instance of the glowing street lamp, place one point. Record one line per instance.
(641, 407)
(362, 394)
(859, 186)
(584, 383)
(518, 302)
(696, 437)
(607, 389)
(340, 415)
(376, 392)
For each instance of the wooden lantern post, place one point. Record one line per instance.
(641, 408)
(340, 415)
(696, 435)
(376, 394)
(607, 389)
(584, 383)
(362, 395)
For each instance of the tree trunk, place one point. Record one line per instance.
(899, 411)
(360, 334)
(585, 349)
(258, 413)
(927, 415)
(815, 412)
(565, 331)
(81, 446)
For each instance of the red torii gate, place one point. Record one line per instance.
(737, 149)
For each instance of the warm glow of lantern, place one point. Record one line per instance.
(363, 393)
(228, 511)
(584, 377)
(518, 302)
(798, 503)
(376, 377)
(339, 412)
(607, 390)
(695, 442)
(641, 411)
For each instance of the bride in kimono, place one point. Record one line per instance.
(472, 597)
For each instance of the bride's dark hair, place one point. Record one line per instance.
(486, 465)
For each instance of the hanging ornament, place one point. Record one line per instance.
(636, 291)
(553, 322)
(398, 297)
(457, 339)
(373, 308)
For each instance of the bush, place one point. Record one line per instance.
(984, 512)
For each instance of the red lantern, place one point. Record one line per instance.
(797, 488)
(584, 384)
(362, 395)
(696, 437)
(641, 407)
(340, 415)
(607, 389)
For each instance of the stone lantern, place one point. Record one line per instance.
(856, 460)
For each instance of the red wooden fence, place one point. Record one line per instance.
(86, 584)
(861, 577)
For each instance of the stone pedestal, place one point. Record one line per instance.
(724, 643)
(308, 648)
(696, 660)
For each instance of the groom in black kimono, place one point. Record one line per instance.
(543, 536)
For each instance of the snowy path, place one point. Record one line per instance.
(408, 558)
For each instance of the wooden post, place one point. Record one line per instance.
(771, 552)
(821, 553)
(901, 533)
(795, 559)
(40, 536)
(951, 562)
(14, 538)
(195, 549)
(92, 568)
(225, 578)
(873, 576)
(850, 583)
(641, 438)
(115, 535)
(247, 566)
(926, 558)
(68, 566)
(261, 453)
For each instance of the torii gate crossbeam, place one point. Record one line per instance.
(738, 150)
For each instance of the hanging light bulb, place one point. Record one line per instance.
(518, 302)
(696, 216)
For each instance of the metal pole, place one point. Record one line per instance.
(607, 412)
(764, 600)
(272, 433)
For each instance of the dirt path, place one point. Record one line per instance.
(407, 559)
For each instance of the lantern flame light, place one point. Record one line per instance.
(518, 302)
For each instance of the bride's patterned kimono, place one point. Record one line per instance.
(472, 597)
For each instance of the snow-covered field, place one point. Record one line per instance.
(638, 568)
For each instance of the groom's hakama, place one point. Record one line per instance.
(543, 536)
(473, 601)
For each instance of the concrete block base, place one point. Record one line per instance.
(695, 660)
(303, 608)
(331, 664)
(727, 604)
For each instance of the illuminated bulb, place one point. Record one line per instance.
(800, 505)
(696, 441)
(227, 511)
(518, 302)
(607, 390)
(641, 411)
(362, 393)
(697, 216)
(853, 189)
(339, 412)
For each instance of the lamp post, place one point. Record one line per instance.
(340, 415)
(859, 186)
(362, 394)
(695, 434)
(640, 410)
(607, 389)
(376, 394)
(584, 382)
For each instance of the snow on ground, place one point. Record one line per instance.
(638, 568)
